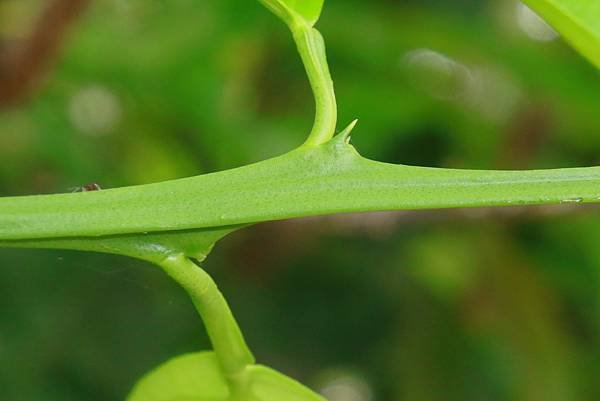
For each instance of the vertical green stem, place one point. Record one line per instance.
(223, 331)
(311, 47)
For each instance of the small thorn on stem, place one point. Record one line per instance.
(346, 132)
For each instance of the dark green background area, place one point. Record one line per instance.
(474, 305)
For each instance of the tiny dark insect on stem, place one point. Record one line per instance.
(90, 187)
(93, 186)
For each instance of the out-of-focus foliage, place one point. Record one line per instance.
(577, 20)
(412, 306)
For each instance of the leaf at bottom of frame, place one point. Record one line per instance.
(198, 377)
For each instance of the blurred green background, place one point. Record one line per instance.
(486, 304)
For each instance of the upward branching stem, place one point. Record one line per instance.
(311, 46)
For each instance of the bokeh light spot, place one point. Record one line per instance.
(95, 110)
(344, 386)
(533, 25)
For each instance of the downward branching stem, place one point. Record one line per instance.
(224, 333)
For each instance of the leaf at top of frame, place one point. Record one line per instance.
(578, 21)
(292, 10)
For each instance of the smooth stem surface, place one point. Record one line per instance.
(223, 331)
(311, 47)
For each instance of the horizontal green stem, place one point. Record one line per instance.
(325, 179)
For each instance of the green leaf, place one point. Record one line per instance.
(577, 20)
(198, 377)
(266, 384)
(190, 377)
(330, 178)
(296, 11)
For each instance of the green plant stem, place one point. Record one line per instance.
(311, 47)
(223, 331)
(330, 178)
